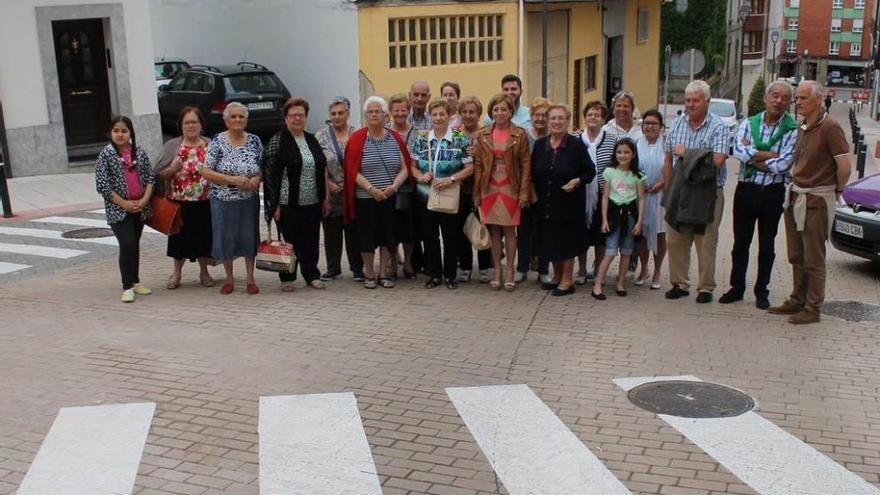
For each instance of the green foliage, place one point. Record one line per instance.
(756, 97)
(701, 26)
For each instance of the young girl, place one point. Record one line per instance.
(623, 206)
(124, 178)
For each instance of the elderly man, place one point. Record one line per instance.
(419, 96)
(623, 125)
(821, 170)
(511, 85)
(764, 145)
(698, 129)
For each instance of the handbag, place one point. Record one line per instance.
(166, 217)
(446, 200)
(476, 231)
(275, 255)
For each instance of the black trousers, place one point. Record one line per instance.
(301, 226)
(762, 205)
(128, 233)
(335, 229)
(433, 225)
(528, 236)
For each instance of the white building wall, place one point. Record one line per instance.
(311, 45)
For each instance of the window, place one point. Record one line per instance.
(590, 73)
(834, 48)
(790, 46)
(177, 83)
(860, 4)
(444, 40)
(835, 25)
(202, 83)
(858, 25)
(644, 25)
(855, 49)
(794, 3)
(792, 24)
(837, 4)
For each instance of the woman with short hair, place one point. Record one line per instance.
(651, 151)
(406, 228)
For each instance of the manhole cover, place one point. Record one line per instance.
(852, 310)
(691, 399)
(87, 233)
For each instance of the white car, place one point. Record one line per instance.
(166, 68)
(726, 109)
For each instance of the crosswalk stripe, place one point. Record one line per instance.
(90, 450)
(6, 267)
(761, 454)
(531, 450)
(54, 234)
(99, 211)
(47, 252)
(83, 222)
(314, 444)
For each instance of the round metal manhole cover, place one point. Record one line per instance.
(691, 399)
(87, 233)
(852, 310)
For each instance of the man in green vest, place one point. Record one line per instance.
(764, 145)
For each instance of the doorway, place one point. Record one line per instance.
(82, 61)
(557, 56)
(614, 70)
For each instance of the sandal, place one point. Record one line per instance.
(495, 285)
(386, 283)
(509, 286)
(370, 283)
(173, 283)
(206, 281)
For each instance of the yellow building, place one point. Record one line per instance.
(594, 48)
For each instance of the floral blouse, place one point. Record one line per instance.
(227, 159)
(188, 184)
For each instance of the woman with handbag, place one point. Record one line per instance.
(471, 110)
(233, 168)
(441, 163)
(502, 183)
(124, 178)
(296, 190)
(376, 165)
(179, 180)
(406, 223)
(561, 168)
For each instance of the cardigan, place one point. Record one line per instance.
(109, 178)
(517, 156)
(282, 153)
(354, 153)
(551, 172)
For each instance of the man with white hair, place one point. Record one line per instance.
(821, 170)
(764, 145)
(623, 125)
(697, 129)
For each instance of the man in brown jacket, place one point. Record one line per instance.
(821, 170)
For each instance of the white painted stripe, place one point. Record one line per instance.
(763, 455)
(85, 222)
(531, 450)
(90, 450)
(314, 444)
(11, 267)
(99, 211)
(54, 234)
(47, 252)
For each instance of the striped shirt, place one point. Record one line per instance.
(710, 135)
(380, 163)
(422, 123)
(602, 148)
(634, 133)
(780, 168)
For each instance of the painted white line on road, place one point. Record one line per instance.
(90, 450)
(761, 454)
(99, 211)
(54, 234)
(83, 222)
(315, 444)
(46, 252)
(11, 267)
(531, 450)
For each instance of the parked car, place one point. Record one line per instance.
(166, 68)
(856, 228)
(726, 109)
(212, 88)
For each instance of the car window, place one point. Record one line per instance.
(202, 83)
(721, 108)
(253, 83)
(177, 84)
(159, 71)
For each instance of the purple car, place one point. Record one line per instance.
(857, 219)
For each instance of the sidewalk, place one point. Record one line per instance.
(51, 194)
(871, 130)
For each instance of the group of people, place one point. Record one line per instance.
(406, 183)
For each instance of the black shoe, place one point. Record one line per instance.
(562, 292)
(762, 302)
(548, 286)
(327, 276)
(451, 283)
(408, 275)
(432, 282)
(730, 296)
(704, 297)
(676, 293)
(621, 292)
(598, 297)
(358, 276)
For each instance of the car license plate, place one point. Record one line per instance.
(263, 105)
(849, 229)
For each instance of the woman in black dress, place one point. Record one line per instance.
(561, 167)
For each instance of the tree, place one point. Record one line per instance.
(756, 97)
(702, 26)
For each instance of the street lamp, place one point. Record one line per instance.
(744, 10)
(774, 38)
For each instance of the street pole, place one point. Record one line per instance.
(544, 50)
(744, 10)
(5, 200)
(667, 53)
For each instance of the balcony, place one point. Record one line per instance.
(755, 23)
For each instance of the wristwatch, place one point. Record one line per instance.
(452, 177)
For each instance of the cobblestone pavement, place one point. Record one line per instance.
(206, 360)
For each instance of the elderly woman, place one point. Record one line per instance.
(333, 137)
(600, 146)
(442, 161)
(470, 108)
(651, 153)
(233, 168)
(526, 234)
(561, 167)
(179, 179)
(502, 183)
(451, 92)
(376, 166)
(407, 230)
(296, 190)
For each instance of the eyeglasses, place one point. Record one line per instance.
(374, 112)
(296, 115)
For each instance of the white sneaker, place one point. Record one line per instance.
(546, 279)
(580, 280)
(464, 276)
(485, 277)
(520, 276)
(128, 296)
(141, 290)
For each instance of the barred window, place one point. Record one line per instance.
(444, 40)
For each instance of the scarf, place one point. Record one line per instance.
(786, 124)
(592, 189)
(651, 158)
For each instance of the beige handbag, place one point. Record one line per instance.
(476, 231)
(445, 201)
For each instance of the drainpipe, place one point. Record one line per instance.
(522, 36)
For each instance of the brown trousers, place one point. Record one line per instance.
(806, 253)
(678, 249)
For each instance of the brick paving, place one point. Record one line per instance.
(65, 340)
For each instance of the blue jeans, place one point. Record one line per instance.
(624, 242)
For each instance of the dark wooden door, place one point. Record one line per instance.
(81, 58)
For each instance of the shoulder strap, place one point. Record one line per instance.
(332, 133)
